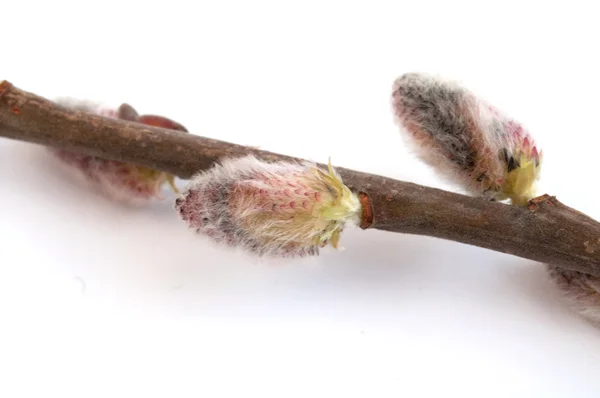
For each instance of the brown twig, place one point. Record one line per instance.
(545, 231)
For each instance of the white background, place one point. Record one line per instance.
(97, 300)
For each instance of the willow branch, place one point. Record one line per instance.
(546, 231)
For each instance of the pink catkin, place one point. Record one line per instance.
(462, 137)
(120, 181)
(264, 209)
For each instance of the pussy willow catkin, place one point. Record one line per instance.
(120, 181)
(280, 209)
(467, 140)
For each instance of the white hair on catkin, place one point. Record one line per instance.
(580, 290)
(88, 106)
(101, 177)
(280, 209)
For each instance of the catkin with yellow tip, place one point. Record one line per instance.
(465, 139)
(280, 209)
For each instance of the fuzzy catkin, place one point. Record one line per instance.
(582, 291)
(465, 139)
(280, 209)
(120, 181)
